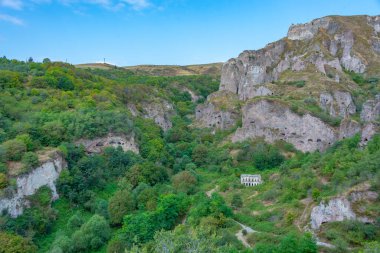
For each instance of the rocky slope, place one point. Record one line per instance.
(28, 184)
(316, 68)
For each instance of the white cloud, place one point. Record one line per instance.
(108, 4)
(13, 4)
(11, 19)
(138, 4)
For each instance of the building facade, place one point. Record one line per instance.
(250, 180)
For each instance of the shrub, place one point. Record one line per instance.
(236, 201)
(120, 204)
(15, 244)
(14, 149)
(266, 156)
(92, 235)
(30, 160)
(185, 182)
(3, 180)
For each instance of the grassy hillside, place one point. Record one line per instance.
(182, 193)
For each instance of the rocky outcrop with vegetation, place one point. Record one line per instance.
(15, 199)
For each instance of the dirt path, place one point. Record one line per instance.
(241, 237)
(210, 192)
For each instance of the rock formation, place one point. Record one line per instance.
(341, 208)
(339, 103)
(313, 63)
(160, 111)
(322, 43)
(99, 144)
(220, 111)
(275, 121)
(28, 184)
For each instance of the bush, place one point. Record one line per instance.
(266, 156)
(3, 180)
(185, 182)
(14, 149)
(92, 235)
(15, 244)
(30, 160)
(236, 201)
(120, 204)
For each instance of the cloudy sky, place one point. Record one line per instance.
(131, 32)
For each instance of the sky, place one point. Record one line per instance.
(133, 32)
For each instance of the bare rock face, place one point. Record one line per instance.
(275, 121)
(221, 114)
(371, 110)
(158, 110)
(337, 209)
(348, 128)
(28, 184)
(340, 208)
(160, 113)
(368, 131)
(339, 103)
(99, 144)
(301, 50)
(246, 74)
(309, 30)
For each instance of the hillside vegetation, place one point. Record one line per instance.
(178, 188)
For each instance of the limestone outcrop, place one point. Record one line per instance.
(127, 143)
(341, 208)
(220, 111)
(27, 184)
(158, 110)
(339, 103)
(273, 121)
(325, 43)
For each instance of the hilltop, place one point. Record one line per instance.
(213, 69)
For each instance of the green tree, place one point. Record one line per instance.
(3, 180)
(14, 149)
(184, 181)
(120, 204)
(92, 235)
(236, 201)
(30, 160)
(15, 244)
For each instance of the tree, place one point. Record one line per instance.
(200, 153)
(15, 244)
(3, 180)
(266, 157)
(30, 160)
(92, 235)
(120, 204)
(46, 60)
(14, 149)
(185, 182)
(236, 201)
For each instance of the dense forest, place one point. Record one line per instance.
(182, 191)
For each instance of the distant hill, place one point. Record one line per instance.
(176, 70)
(162, 70)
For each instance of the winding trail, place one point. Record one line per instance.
(243, 238)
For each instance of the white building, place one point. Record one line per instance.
(250, 180)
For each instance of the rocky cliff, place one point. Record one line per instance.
(274, 120)
(342, 208)
(322, 67)
(26, 185)
(127, 143)
(158, 110)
